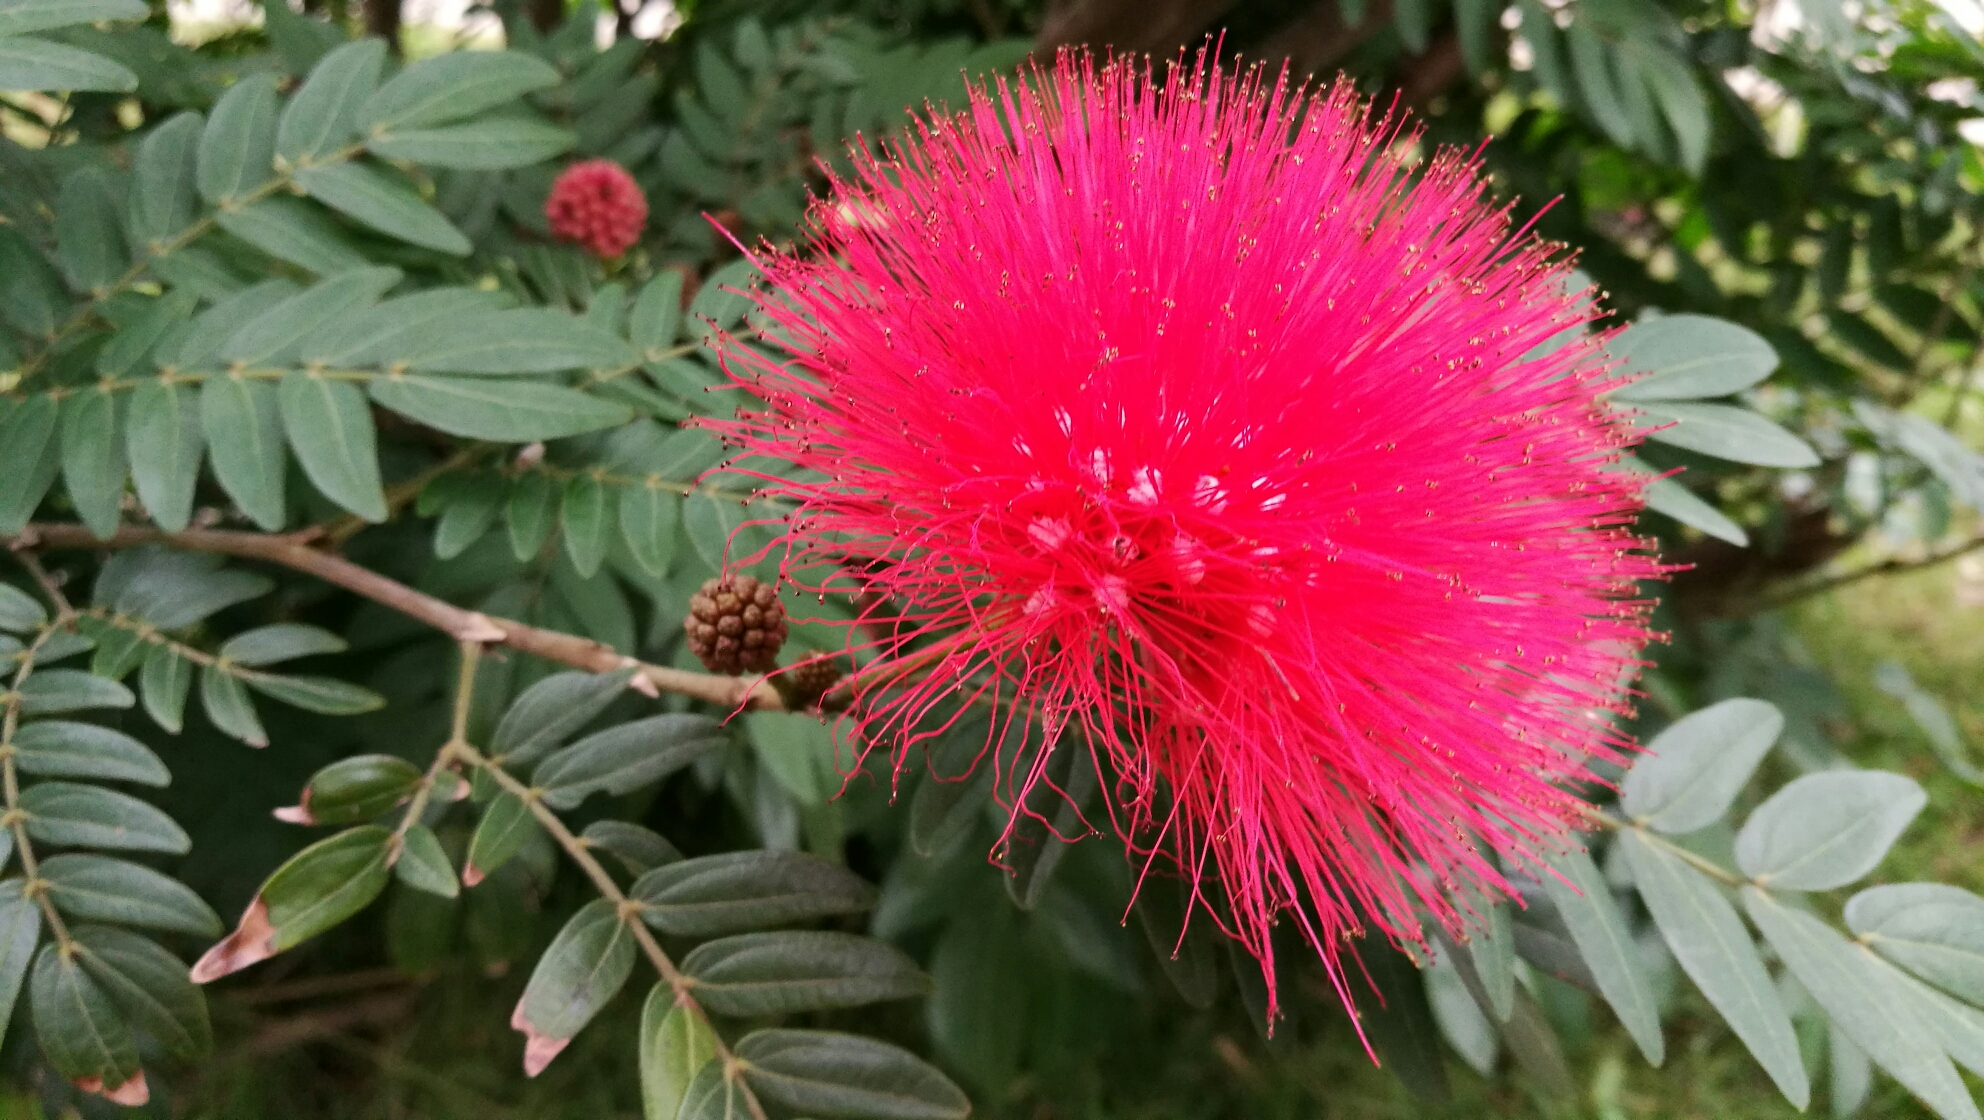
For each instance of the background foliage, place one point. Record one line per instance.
(314, 440)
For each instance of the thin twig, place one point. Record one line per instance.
(628, 910)
(10, 723)
(1707, 867)
(1896, 566)
(463, 625)
(457, 739)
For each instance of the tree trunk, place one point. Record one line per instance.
(382, 18)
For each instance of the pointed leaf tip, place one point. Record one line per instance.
(253, 940)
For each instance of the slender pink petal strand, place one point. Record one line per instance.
(1196, 420)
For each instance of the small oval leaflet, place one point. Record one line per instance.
(1826, 830)
(737, 891)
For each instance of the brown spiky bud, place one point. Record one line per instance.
(805, 684)
(736, 625)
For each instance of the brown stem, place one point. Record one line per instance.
(1895, 566)
(628, 910)
(463, 625)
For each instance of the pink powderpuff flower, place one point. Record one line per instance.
(596, 204)
(1196, 419)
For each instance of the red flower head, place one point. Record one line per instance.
(595, 203)
(1199, 423)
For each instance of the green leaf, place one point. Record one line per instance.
(550, 711)
(952, 795)
(165, 442)
(54, 748)
(1691, 772)
(150, 986)
(1462, 1020)
(504, 827)
(625, 758)
(675, 1042)
(308, 895)
(1708, 939)
(797, 750)
(36, 64)
(655, 323)
(585, 523)
(1415, 23)
(71, 690)
(533, 506)
(520, 340)
(1191, 962)
(238, 149)
(386, 333)
(118, 651)
(1878, 1017)
(324, 884)
(1399, 1023)
(649, 516)
(453, 86)
(492, 143)
(18, 17)
(1052, 821)
(20, 929)
(738, 891)
(1664, 495)
(1606, 943)
(81, 1033)
(89, 231)
(73, 815)
(424, 866)
(330, 429)
(470, 510)
(243, 422)
(93, 458)
(98, 888)
(1825, 830)
(638, 849)
(1598, 83)
(508, 411)
(226, 703)
(323, 695)
(1934, 930)
(755, 974)
(1681, 102)
(354, 789)
(1492, 950)
(171, 590)
(843, 1077)
(322, 115)
(385, 202)
(585, 966)
(1474, 25)
(275, 336)
(162, 199)
(19, 611)
(165, 680)
(1724, 432)
(27, 444)
(721, 302)
(281, 641)
(1688, 357)
(300, 40)
(137, 339)
(293, 230)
